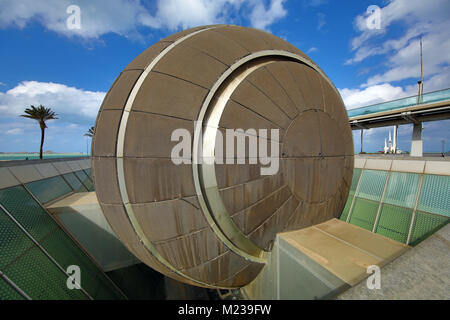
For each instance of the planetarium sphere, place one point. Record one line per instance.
(206, 223)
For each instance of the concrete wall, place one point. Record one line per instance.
(428, 165)
(14, 173)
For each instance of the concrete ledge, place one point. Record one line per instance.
(359, 163)
(74, 165)
(16, 172)
(47, 170)
(85, 163)
(15, 163)
(435, 167)
(344, 249)
(62, 167)
(413, 166)
(428, 165)
(378, 164)
(7, 179)
(321, 261)
(26, 174)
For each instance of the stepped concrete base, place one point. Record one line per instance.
(321, 261)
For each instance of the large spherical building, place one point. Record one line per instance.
(212, 224)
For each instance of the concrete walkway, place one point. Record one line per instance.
(420, 273)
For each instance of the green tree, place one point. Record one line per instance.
(41, 114)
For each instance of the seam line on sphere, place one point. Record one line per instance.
(296, 85)
(270, 99)
(179, 78)
(260, 201)
(232, 39)
(205, 53)
(248, 108)
(272, 215)
(283, 88)
(292, 214)
(182, 236)
(208, 261)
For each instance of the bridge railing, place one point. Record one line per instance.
(429, 97)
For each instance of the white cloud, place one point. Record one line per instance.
(175, 14)
(261, 17)
(312, 49)
(125, 17)
(429, 19)
(354, 98)
(14, 131)
(321, 21)
(97, 17)
(360, 97)
(73, 126)
(70, 103)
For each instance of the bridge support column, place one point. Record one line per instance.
(362, 136)
(416, 142)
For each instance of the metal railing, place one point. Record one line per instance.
(434, 96)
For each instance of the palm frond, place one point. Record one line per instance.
(90, 132)
(40, 113)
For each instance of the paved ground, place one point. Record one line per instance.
(421, 273)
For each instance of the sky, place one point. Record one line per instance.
(369, 60)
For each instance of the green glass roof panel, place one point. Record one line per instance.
(74, 182)
(85, 179)
(402, 189)
(364, 213)
(13, 241)
(356, 175)
(7, 292)
(88, 172)
(21, 205)
(435, 195)
(394, 222)
(426, 224)
(348, 204)
(66, 252)
(372, 184)
(49, 189)
(34, 273)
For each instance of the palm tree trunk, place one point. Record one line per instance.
(42, 142)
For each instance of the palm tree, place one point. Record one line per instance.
(90, 132)
(40, 114)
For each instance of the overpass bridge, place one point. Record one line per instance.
(417, 109)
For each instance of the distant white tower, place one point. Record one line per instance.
(386, 149)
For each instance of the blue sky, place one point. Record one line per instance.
(42, 61)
